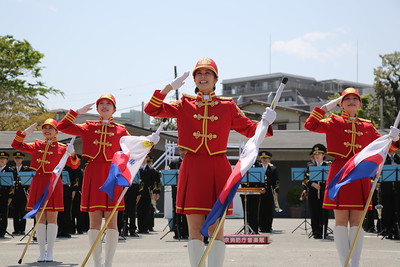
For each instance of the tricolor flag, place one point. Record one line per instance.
(48, 192)
(246, 160)
(126, 163)
(365, 164)
(119, 174)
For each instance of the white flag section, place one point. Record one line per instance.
(138, 147)
(126, 163)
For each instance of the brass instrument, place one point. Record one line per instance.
(276, 202)
(258, 190)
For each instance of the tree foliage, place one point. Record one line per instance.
(20, 85)
(387, 88)
(387, 93)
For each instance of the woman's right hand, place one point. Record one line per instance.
(85, 108)
(175, 84)
(30, 129)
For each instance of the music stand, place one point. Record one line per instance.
(391, 173)
(136, 179)
(65, 178)
(319, 174)
(253, 175)
(297, 174)
(7, 179)
(26, 178)
(169, 177)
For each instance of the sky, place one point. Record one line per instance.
(129, 48)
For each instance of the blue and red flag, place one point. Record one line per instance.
(365, 164)
(48, 192)
(246, 160)
(126, 163)
(119, 174)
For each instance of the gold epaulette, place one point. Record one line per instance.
(189, 96)
(61, 144)
(361, 119)
(326, 119)
(175, 102)
(119, 124)
(336, 115)
(227, 98)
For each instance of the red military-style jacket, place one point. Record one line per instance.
(99, 139)
(203, 122)
(45, 154)
(345, 136)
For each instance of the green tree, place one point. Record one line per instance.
(20, 85)
(387, 88)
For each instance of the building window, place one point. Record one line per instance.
(281, 126)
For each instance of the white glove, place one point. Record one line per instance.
(84, 109)
(178, 82)
(394, 133)
(154, 138)
(30, 129)
(269, 115)
(333, 103)
(70, 149)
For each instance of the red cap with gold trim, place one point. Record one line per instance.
(207, 63)
(109, 97)
(349, 91)
(51, 122)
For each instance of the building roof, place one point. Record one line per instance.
(267, 76)
(263, 103)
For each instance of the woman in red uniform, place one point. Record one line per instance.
(45, 157)
(100, 140)
(204, 122)
(346, 135)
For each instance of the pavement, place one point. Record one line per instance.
(289, 246)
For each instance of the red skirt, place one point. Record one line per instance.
(93, 198)
(352, 196)
(201, 178)
(36, 190)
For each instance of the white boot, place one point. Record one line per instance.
(111, 246)
(96, 255)
(196, 249)
(51, 239)
(41, 239)
(217, 254)
(341, 236)
(355, 256)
